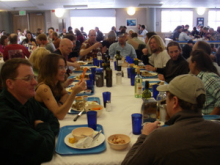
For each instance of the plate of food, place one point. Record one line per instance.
(147, 74)
(79, 105)
(69, 140)
(82, 63)
(80, 70)
(79, 77)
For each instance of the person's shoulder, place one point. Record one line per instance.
(42, 88)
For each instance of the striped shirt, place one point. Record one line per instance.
(211, 82)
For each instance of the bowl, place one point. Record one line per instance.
(97, 108)
(82, 132)
(119, 141)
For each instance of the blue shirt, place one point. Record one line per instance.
(211, 82)
(127, 50)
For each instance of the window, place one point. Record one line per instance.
(103, 23)
(213, 19)
(170, 19)
(104, 19)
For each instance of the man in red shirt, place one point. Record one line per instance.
(14, 50)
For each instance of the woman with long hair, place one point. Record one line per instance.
(50, 91)
(79, 36)
(29, 39)
(201, 65)
(3, 43)
(36, 58)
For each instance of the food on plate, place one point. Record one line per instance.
(79, 77)
(117, 140)
(141, 66)
(72, 140)
(79, 105)
(158, 83)
(81, 63)
(147, 74)
(81, 69)
(97, 108)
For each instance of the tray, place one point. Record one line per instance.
(89, 99)
(150, 88)
(211, 117)
(145, 77)
(63, 149)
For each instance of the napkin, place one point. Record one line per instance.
(84, 142)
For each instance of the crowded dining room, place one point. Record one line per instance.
(114, 82)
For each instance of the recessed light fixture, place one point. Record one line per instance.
(131, 11)
(59, 12)
(201, 10)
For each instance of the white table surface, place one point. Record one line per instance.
(116, 121)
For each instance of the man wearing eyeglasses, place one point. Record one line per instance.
(27, 130)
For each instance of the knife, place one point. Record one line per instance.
(78, 115)
(97, 135)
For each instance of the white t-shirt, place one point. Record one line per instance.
(159, 60)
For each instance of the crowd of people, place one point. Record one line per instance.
(33, 96)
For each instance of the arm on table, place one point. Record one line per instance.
(45, 94)
(142, 151)
(27, 144)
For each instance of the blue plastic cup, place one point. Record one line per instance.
(92, 119)
(92, 78)
(155, 91)
(106, 97)
(115, 65)
(100, 63)
(131, 60)
(129, 72)
(133, 74)
(95, 61)
(127, 58)
(89, 84)
(136, 123)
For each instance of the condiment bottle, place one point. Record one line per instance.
(138, 84)
(109, 77)
(99, 77)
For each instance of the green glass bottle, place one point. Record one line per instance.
(118, 59)
(146, 93)
(138, 84)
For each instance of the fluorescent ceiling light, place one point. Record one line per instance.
(142, 5)
(75, 6)
(13, 0)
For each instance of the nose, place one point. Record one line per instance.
(34, 81)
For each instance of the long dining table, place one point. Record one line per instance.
(116, 121)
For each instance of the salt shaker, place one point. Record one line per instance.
(108, 106)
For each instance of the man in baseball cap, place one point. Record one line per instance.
(188, 138)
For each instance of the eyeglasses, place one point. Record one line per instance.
(62, 67)
(28, 78)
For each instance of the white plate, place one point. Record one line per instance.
(87, 103)
(96, 143)
(84, 63)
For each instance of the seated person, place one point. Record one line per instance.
(176, 66)
(27, 129)
(29, 39)
(90, 47)
(188, 138)
(50, 91)
(36, 58)
(124, 48)
(187, 49)
(134, 37)
(202, 66)
(159, 56)
(184, 35)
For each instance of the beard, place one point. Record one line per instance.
(154, 50)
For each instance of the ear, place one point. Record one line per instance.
(175, 103)
(10, 83)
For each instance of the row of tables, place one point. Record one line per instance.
(117, 121)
